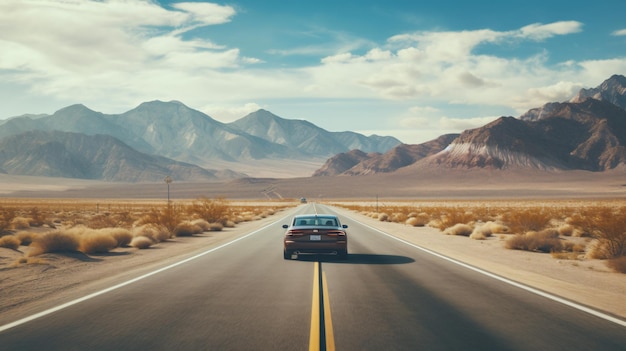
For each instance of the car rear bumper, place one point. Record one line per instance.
(313, 247)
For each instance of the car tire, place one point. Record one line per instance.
(287, 254)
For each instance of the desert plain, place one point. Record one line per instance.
(29, 286)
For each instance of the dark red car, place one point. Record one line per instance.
(315, 234)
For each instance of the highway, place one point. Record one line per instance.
(244, 296)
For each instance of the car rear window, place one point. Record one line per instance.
(321, 221)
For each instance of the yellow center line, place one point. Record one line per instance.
(316, 335)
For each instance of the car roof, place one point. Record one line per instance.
(313, 215)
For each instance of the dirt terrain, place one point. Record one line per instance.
(436, 183)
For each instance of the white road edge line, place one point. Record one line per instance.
(508, 281)
(134, 280)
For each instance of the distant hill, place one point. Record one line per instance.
(587, 133)
(76, 155)
(356, 162)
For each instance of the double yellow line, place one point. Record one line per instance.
(321, 335)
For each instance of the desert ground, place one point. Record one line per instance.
(28, 286)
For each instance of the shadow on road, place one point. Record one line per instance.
(358, 259)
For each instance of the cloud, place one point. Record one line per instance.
(228, 114)
(621, 32)
(118, 53)
(538, 31)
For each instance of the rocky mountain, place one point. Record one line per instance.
(77, 155)
(343, 162)
(612, 90)
(173, 130)
(586, 133)
(302, 137)
(357, 162)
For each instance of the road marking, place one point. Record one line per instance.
(530, 289)
(115, 287)
(328, 321)
(314, 335)
(321, 336)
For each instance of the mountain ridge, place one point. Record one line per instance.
(588, 132)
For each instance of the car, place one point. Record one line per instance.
(315, 234)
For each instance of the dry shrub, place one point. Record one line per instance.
(153, 232)
(527, 219)
(7, 214)
(141, 242)
(25, 238)
(10, 242)
(399, 217)
(229, 224)
(487, 229)
(20, 223)
(203, 224)
(211, 210)
(167, 217)
(451, 217)
(543, 241)
(459, 229)
(96, 241)
(413, 222)
(104, 220)
(566, 230)
(383, 217)
(216, 227)
(122, 236)
(54, 241)
(187, 228)
(617, 264)
(606, 224)
(37, 217)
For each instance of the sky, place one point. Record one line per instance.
(410, 69)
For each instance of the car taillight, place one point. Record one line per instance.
(336, 233)
(294, 232)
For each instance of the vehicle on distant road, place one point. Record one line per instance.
(315, 234)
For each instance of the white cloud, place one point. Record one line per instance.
(118, 53)
(621, 32)
(228, 114)
(538, 31)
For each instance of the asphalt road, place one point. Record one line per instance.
(387, 296)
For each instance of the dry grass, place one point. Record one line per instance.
(141, 242)
(122, 236)
(543, 241)
(96, 241)
(187, 228)
(540, 226)
(154, 232)
(25, 237)
(20, 223)
(483, 231)
(7, 214)
(460, 229)
(10, 242)
(54, 241)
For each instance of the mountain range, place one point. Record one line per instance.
(157, 139)
(588, 132)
